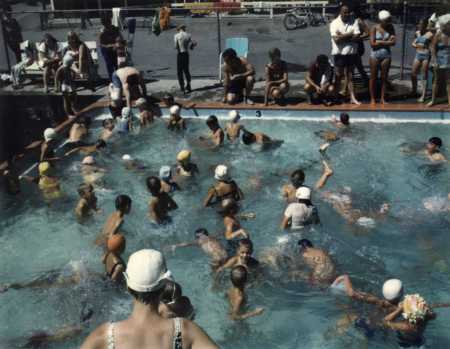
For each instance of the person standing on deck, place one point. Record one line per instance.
(183, 43)
(12, 34)
(107, 38)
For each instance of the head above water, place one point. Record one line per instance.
(170, 292)
(50, 134)
(108, 124)
(123, 203)
(434, 144)
(239, 276)
(234, 116)
(393, 290)
(212, 122)
(88, 160)
(201, 232)
(165, 173)
(344, 118)
(221, 173)
(305, 244)
(100, 144)
(297, 178)
(303, 193)
(85, 189)
(248, 138)
(116, 243)
(154, 185)
(247, 244)
(184, 156)
(174, 110)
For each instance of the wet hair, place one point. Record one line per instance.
(239, 276)
(146, 297)
(275, 51)
(170, 292)
(122, 202)
(345, 118)
(105, 121)
(229, 53)
(248, 138)
(246, 243)
(83, 188)
(201, 231)
(322, 59)
(297, 178)
(100, 143)
(212, 121)
(436, 141)
(153, 185)
(229, 206)
(305, 243)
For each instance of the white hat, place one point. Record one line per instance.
(174, 110)
(392, 289)
(443, 20)
(140, 102)
(145, 271)
(126, 111)
(88, 160)
(165, 172)
(234, 115)
(303, 193)
(221, 173)
(127, 157)
(384, 15)
(49, 134)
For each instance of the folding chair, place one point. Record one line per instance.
(240, 45)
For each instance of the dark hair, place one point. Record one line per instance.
(345, 118)
(169, 99)
(74, 36)
(212, 120)
(229, 206)
(239, 276)
(111, 120)
(100, 143)
(146, 297)
(297, 178)
(50, 37)
(105, 20)
(83, 120)
(170, 292)
(322, 59)
(436, 141)
(83, 187)
(229, 53)
(248, 138)
(246, 243)
(305, 243)
(200, 231)
(122, 202)
(275, 51)
(154, 185)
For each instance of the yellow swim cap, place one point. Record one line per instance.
(44, 168)
(184, 155)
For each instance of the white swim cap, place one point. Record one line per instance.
(392, 289)
(126, 112)
(165, 172)
(384, 15)
(127, 157)
(88, 160)
(174, 110)
(49, 134)
(234, 115)
(221, 173)
(303, 193)
(140, 102)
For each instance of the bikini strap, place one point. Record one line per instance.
(177, 338)
(110, 336)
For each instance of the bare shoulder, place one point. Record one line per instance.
(97, 339)
(196, 336)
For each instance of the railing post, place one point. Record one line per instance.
(402, 65)
(219, 36)
(5, 46)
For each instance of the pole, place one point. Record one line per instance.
(402, 65)
(219, 37)
(5, 46)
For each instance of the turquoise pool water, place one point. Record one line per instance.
(411, 243)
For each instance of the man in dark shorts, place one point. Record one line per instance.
(319, 82)
(131, 82)
(239, 78)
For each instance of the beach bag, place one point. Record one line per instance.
(156, 27)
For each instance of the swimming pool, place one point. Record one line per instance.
(411, 243)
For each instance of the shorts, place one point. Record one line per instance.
(116, 81)
(344, 61)
(381, 54)
(237, 86)
(421, 56)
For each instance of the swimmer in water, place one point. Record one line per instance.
(288, 191)
(176, 122)
(48, 183)
(108, 129)
(88, 201)
(172, 303)
(210, 246)
(302, 213)
(48, 147)
(114, 264)
(234, 128)
(132, 164)
(259, 138)
(161, 203)
(237, 297)
(224, 188)
(233, 229)
(433, 150)
(88, 149)
(185, 167)
(146, 116)
(90, 171)
(243, 257)
(342, 125)
(168, 185)
(322, 268)
(77, 134)
(124, 122)
(216, 138)
(116, 219)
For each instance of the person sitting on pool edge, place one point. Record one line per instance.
(239, 78)
(249, 138)
(176, 122)
(302, 213)
(168, 185)
(210, 246)
(223, 189)
(234, 128)
(161, 203)
(319, 85)
(217, 136)
(433, 149)
(87, 202)
(146, 116)
(243, 257)
(114, 264)
(237, 297)
(288, 191)
(277, 84)
(116, 219)
(186, 168)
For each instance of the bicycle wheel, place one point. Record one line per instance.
(290, 21)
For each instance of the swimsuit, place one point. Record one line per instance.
(381, 53)
(443, 55)
(425, 55)
(177, 342)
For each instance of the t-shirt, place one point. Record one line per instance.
(182, 41)
(301, 215)
(346, 47)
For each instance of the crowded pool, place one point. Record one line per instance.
(411, 243)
